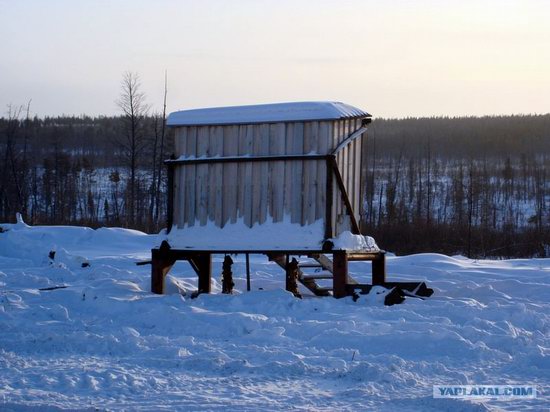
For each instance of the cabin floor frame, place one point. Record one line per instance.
(163, 258)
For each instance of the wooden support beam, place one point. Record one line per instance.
(287, 272)
(379, 270)
(244, 159)
(340, 271)
(202, 264)
(205, 275)
(160, 266)
(248, 272)
(344, 194)
(363, 256)
(355, 135)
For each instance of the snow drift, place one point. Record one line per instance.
(104, 341)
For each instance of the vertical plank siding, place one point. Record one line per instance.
(306, 178)
(256, 192)
(190, 182)
(313, 177)
(297, 168)
(288, 169)
(264, 173)
(277, 143)
(247, 183)
(323, 144)
(215, 176)
(202, 182)
(241, 173)
(228, 174)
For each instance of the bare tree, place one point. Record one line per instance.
(161, 158)
(159, 131)
(133, 141)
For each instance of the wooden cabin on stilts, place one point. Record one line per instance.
(284, 180)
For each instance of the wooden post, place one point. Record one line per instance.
(248, 272)
(202, 264)
(340, 274)
(379, 270)
(205, 277)
(160, 266)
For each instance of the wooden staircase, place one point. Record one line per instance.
(317, 274)
(318, 267)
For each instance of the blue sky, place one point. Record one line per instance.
(393, 59)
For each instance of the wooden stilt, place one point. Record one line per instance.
(379, 269)
(248, 272)
(160, 266)
(205, 276)
(287, 273)
(202, 264)
(340, 274)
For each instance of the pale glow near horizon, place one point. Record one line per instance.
(393, 59)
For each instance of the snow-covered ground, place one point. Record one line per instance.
(106, 342)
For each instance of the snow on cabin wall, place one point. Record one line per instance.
(238, 236)
(257, 192)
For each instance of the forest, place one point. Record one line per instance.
(476, 186)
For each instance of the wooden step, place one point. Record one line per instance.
(314, 277)
(309, 281)
(314, 287)
(324, 261)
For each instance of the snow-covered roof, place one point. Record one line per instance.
(265, 113)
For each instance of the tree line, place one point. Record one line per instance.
(476, 186)
(83, 170)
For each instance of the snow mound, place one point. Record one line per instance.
(73, 245)
(348, 241)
